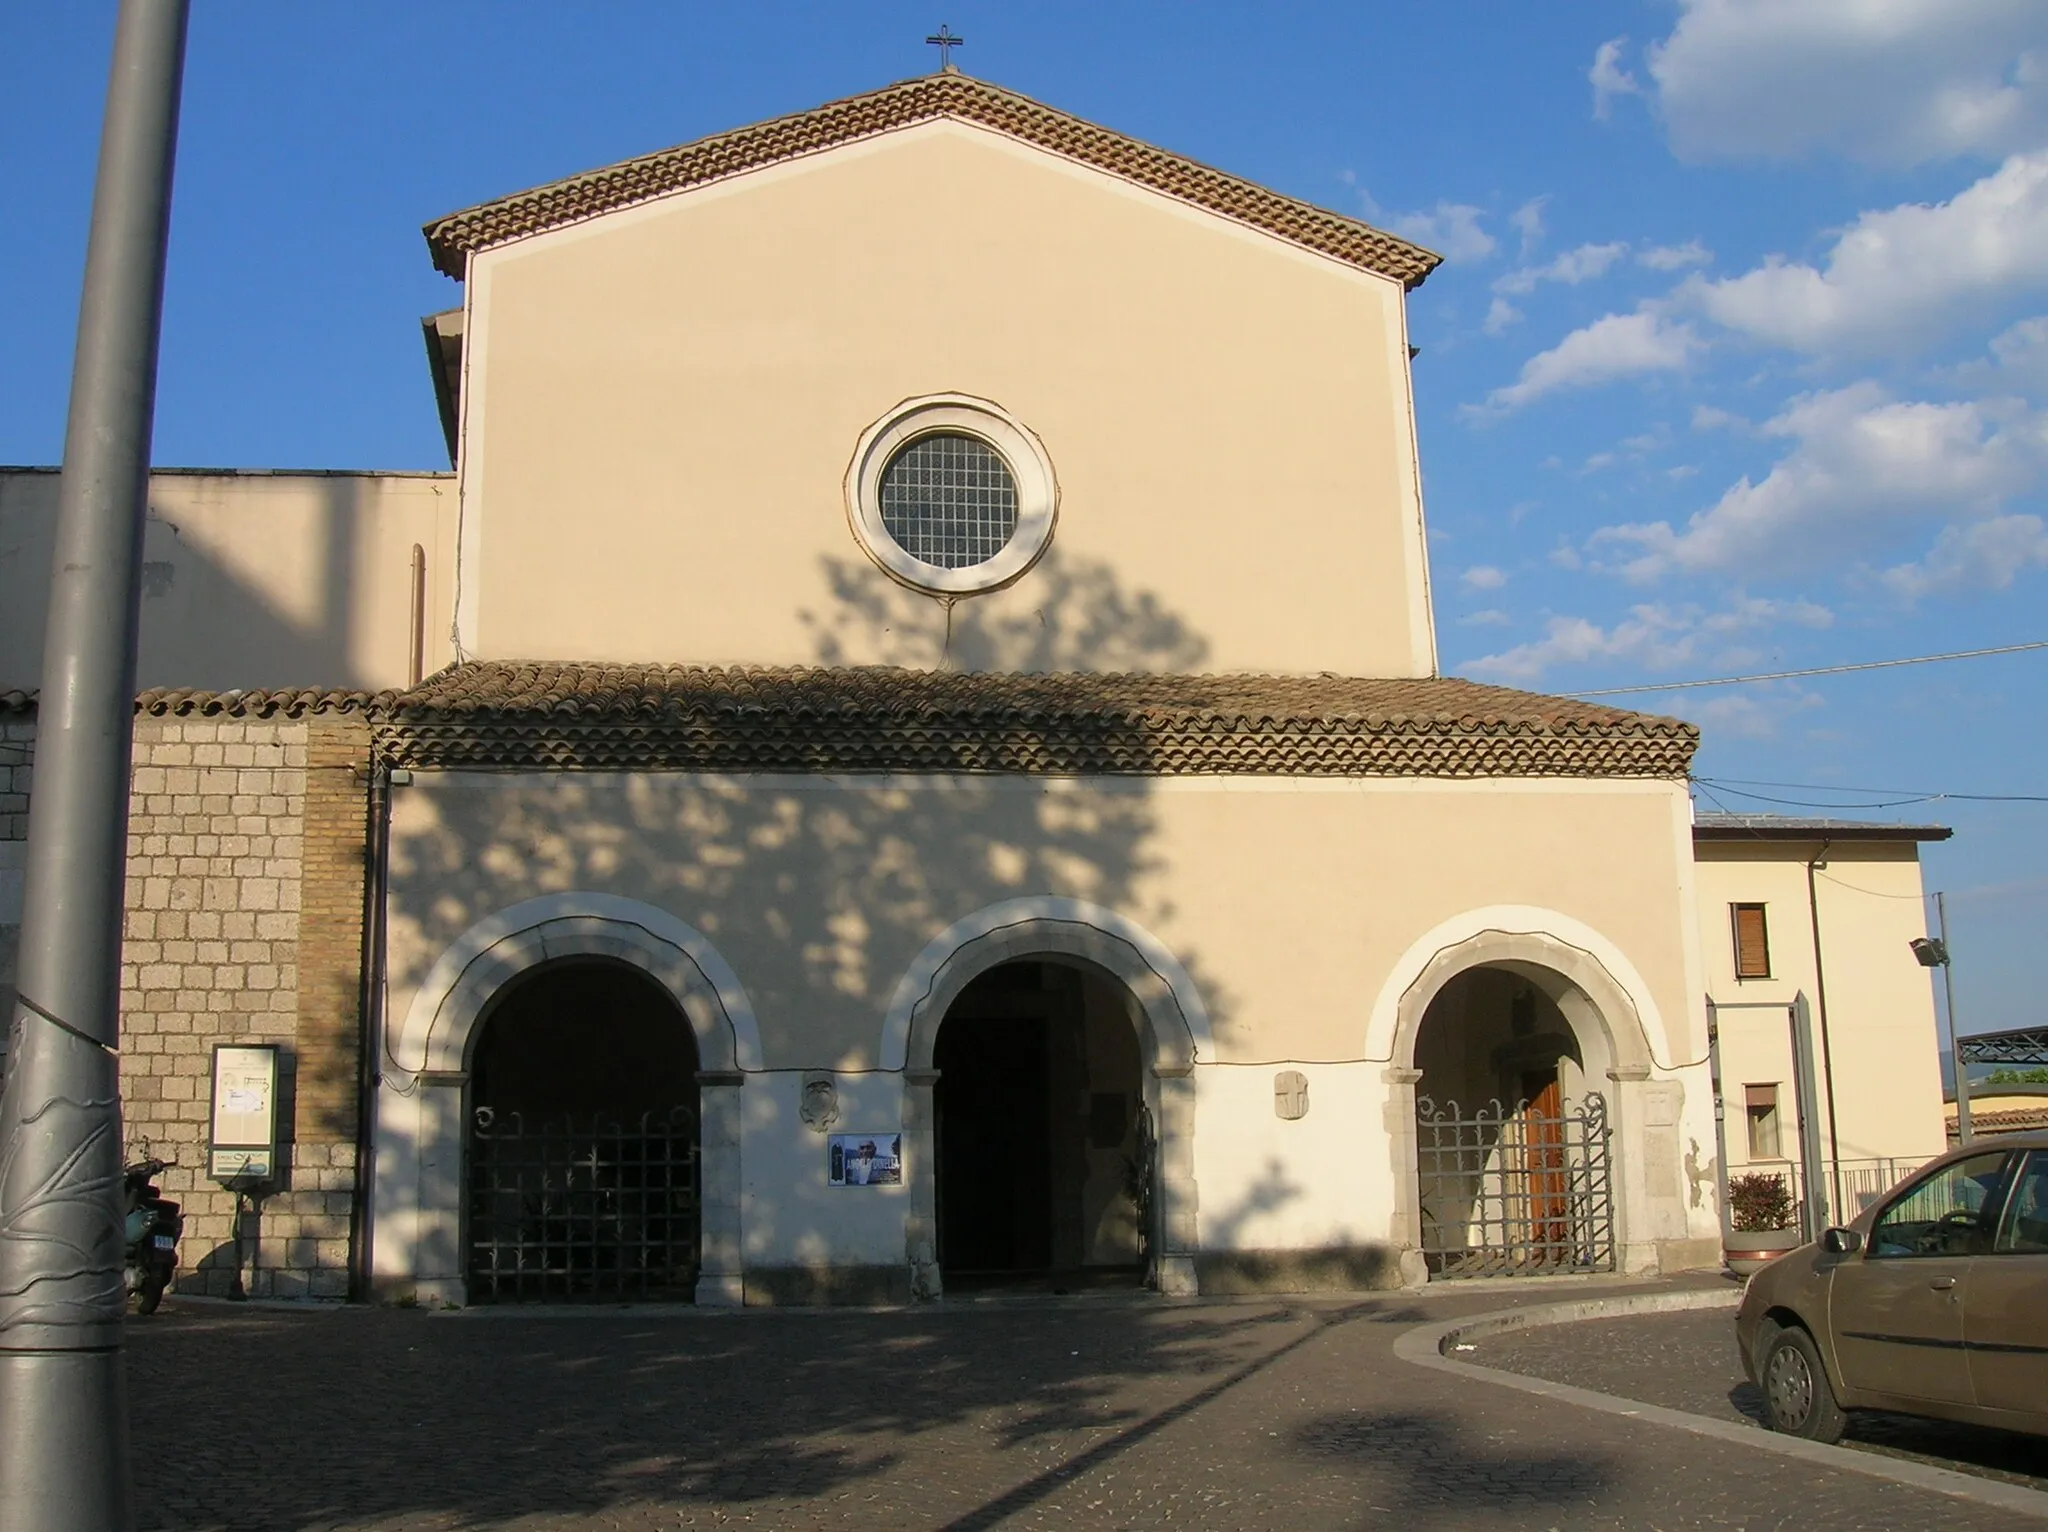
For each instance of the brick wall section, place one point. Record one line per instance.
(329, 1030)
(217, 860)
(245, 922)
(17, 746)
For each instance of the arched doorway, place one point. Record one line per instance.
(583, 1177)
(1043, 1137)
(1513, 1173)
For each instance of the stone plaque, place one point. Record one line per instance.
(1290, 1095)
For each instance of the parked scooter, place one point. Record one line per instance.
(153, 1226)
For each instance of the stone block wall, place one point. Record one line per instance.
(17, 744)
(244, 925)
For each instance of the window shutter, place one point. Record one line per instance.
(1752, 945)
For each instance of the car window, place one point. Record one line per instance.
(2025, 1227)
(1943, 1214)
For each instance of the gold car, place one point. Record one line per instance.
(1933, 1302)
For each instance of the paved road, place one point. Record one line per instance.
(1688, 1361)
(1081, 1413)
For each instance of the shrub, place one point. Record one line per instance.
(1760, 1201)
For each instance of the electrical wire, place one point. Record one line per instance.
(1908, 793)
(1818, 670)
(1881, 803)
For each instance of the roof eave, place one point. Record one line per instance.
(455, 236)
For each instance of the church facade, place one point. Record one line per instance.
(907, 754)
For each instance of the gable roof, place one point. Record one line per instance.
(948, 94)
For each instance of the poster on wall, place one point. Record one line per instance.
(864, 1159)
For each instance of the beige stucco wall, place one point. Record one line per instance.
(661, 405)
(1301, 912)
(253, 579)
(1880, 1001)
(1286, 901)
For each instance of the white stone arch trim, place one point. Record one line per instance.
(1518, 934)
(1047, 926)
(439, 1028)
(420, 1129)
(1176, 1034)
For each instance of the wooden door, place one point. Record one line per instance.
(1543, 1165)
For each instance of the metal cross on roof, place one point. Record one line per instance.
(945, 42)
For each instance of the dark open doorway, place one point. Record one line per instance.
(583, 1179)
(1042, 1148)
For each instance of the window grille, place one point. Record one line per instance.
(1752, 942)
(589, 1207)
(949, 500)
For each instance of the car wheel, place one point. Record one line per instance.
(1797, 1398)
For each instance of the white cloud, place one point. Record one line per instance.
(1653, 636)
(1983, 555)
(1500, 315)
(1755, 712)
(1893, 82)
(1572, 267)
(1675, 257)
(1609, 79)
(1617, 346)
(1706, 417)
(1484, 577)
(1863, 468)
(2018, 360)
(1492, 617)
(1527, 221)
(1898, 276)
(1450, 228)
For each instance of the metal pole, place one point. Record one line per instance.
(63, 1405)
(1955, 1040)
(1813, 1210)
(1720, 1113)
(1820, 994)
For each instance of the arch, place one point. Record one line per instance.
(1602, 998)
(440, 1026)
(1611, 995)
(417, 1189)
(1174, 1034)
(1046, 926)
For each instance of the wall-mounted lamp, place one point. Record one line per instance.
(1932, 951)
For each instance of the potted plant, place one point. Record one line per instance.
(1760, 1219)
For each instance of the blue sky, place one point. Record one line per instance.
(1739, 360)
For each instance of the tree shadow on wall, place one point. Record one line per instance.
(819, 892)
(1065, 615)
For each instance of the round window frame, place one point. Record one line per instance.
(1009, 438)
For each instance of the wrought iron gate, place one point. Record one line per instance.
(1140, 1180)
(590, 1208)
(1515, 1191)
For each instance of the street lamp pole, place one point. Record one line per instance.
(63, 1405)
(1955, 1039)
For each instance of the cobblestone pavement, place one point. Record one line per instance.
(1689, 1361)
(1076, 1413)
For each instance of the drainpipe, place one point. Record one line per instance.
(1820, 990)
(370, 1010)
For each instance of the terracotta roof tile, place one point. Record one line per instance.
(879, 719)
(458, 235)
(565, 716)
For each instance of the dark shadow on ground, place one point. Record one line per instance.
(1944, 1444)
(361, 1416)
